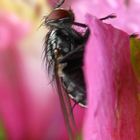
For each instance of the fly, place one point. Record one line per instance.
(64, 49)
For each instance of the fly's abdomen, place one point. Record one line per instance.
(74, 85)
(68, 63)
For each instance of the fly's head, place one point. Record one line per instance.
(59, 18)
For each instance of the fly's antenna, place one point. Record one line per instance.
(59, 3)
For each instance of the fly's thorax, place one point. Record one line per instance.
(60, 42)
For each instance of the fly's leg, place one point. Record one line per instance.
(59, 4)
(87, 32)
(109, 16)
(77, 53)
(73, 55)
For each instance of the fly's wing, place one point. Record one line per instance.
(65, 106)
(52, 67)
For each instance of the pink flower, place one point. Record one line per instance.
(11, 29)
(113, 104)
(29, 109)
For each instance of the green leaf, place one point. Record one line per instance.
(135, 55)
(2, 131)
(79, 136)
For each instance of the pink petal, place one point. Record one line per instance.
(113, 106)
(127, 14)
(29, 109)
(12, 29)
(12, 87)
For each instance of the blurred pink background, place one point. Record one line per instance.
(29, 107)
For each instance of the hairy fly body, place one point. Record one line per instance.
(64, 48)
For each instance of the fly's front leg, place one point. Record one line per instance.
(87, 32)
(77, 53)
(109, 16)
(73, 55)
(59, 4)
